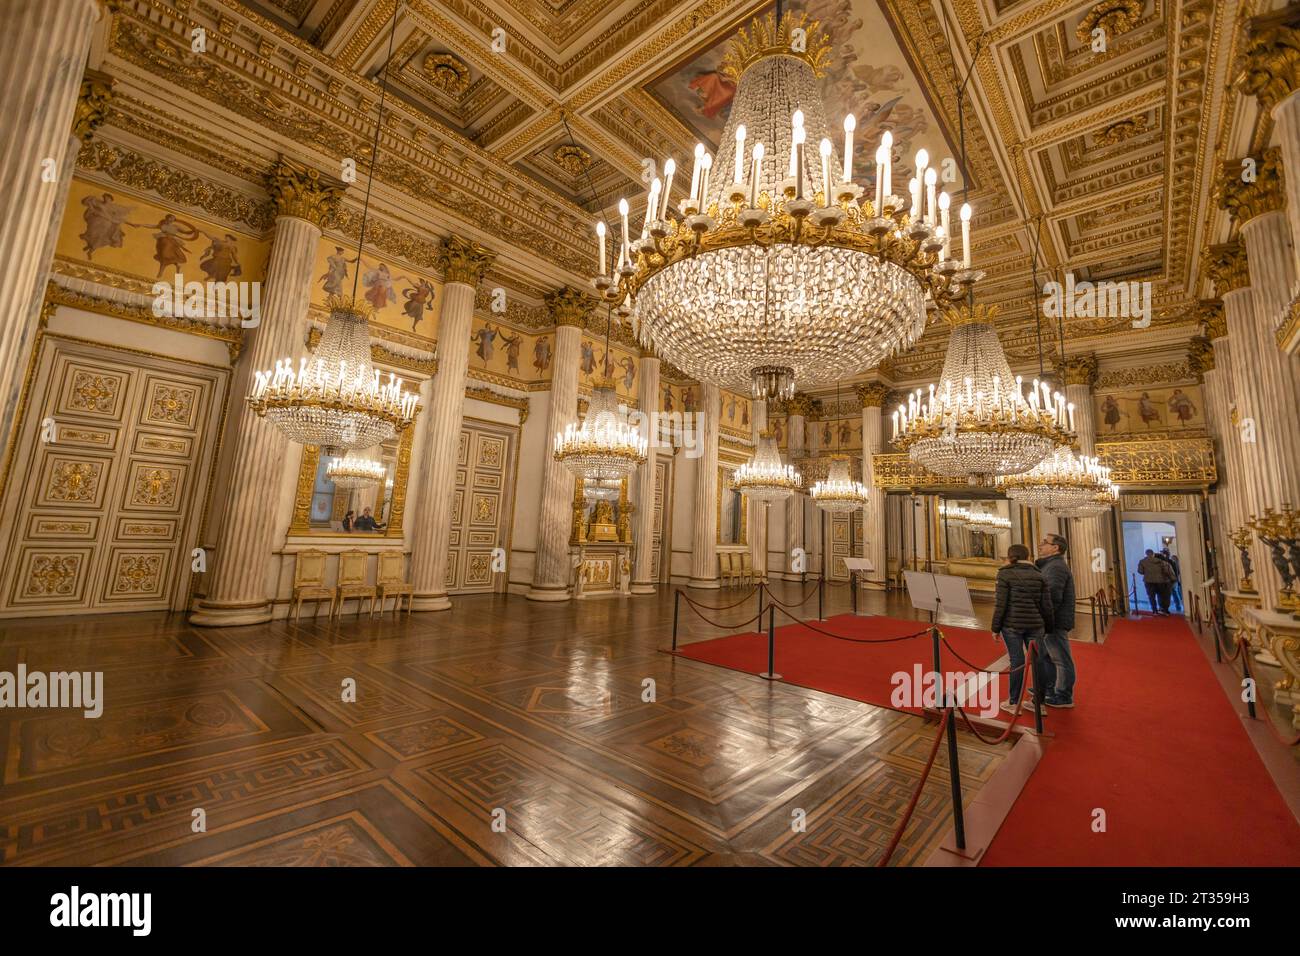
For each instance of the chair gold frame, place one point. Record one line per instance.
(353, 566)
(309, 582)
(390, 580)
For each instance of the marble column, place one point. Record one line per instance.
(553, 568)
(1257, 437)
(872, 395)
(643, 492)
(240, 591)
(704, 522)
(1087, 535)
(43, 48)
(462, 263)
(798, 409)
(814, 516)
(758, 510)
(1201, 357)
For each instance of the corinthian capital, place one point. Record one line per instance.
(872, 394)
(1200, 356)
(1269, 67)
(92, 104)
(1079, 370)
(464, 260)
(1226, 267)
(302, 192)
(1244, 199)
(800, 404)
(568, 306)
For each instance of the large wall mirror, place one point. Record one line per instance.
(324, 507)
(733, 509)
(978, 529)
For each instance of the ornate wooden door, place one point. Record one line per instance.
(482, 507)
(663, 482)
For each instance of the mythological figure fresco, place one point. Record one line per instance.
(588, 360)
(104, 218)
(169, 241)
(485, 337)
(1150, 410)
(336, 275)
(419, 299)
(542, 355)
(220, 260)
(379, 286)
(512, 349)
(628, 364)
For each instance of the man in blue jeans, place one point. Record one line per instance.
(1022, 614)
(1058, 662)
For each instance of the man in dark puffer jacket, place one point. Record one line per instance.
(1022, 614)
(1058, 664)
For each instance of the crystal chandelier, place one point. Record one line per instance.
(335, 398)
(354, 471)
(765, 478)
(776, 268)
(838, 493)
(605, 448)
(958, 516)
(1065, 484)
(602, 489)
(977, 422)
(987, 522)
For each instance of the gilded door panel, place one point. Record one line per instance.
(106, 513)
(482, 505)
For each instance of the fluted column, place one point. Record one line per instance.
(643, 495)
(43, 47)
(552, 569)
(1087, 535)
(239, 591)
(813, 534)
(796, 445)
(872, 395)
(462, 263)
(704, 524)
(758, 510)
(1233, 482)
(1256, 435)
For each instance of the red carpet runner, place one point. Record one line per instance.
(857, 671)
(1153, 741)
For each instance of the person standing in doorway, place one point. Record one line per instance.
(1058, 665)
(1175, 586)
(1022, 615)
(1157, 576)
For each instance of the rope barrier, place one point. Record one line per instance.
(725, 627)
(976, 667)
(806, 598)
(851, 640)
(724, 607)
(925, 775)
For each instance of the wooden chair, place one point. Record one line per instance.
(746, 568)
(726, 569)
(390, 581)
(309, 582)
(352, 580)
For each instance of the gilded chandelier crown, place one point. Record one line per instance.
(765, 37)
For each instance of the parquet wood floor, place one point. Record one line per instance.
(500, 732)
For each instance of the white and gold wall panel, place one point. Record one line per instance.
(103, 515)
(482, 505)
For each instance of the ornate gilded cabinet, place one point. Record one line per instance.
(109, 480)
(482, 506)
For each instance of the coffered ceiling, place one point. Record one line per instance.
(1096, 162)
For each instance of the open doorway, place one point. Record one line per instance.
(1160, 537)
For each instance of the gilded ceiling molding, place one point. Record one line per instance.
(1246, 200)
(1200, 356)
(1079, 370)
(1270, 63)
(1226, 267)
(519, 314)
(1169, 373)
(92, 104)
(464, 260)
(573, 159)
(1119, 132)
(568, 306)
(873, 394)
(1113, 16)
(140, 172)
(447, 72)
(302, 192)
(418, 250)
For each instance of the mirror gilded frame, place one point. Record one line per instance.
(301, 522)
(724, 484)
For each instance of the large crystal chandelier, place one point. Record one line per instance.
(355, 471)
(765, 478)
(776, 267)
(1065, 484)
(978, 422)
(987, 522)
(604, 448)
(957, 516)
(336, 397)
(838, 493)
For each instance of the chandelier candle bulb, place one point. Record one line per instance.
(796, 137)
(651, 204)
(914, 190)
(825, 150)
(706, 164)
(880, 181)
(758, 176)
(965, 242)
(944, 202)
(1070, 408)
(922, 161)
(600, 244)
(931, 178)
(670, 168)
(740, 155)
(622, 211)
(887, 143)
(850, 124)
(695, 172)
